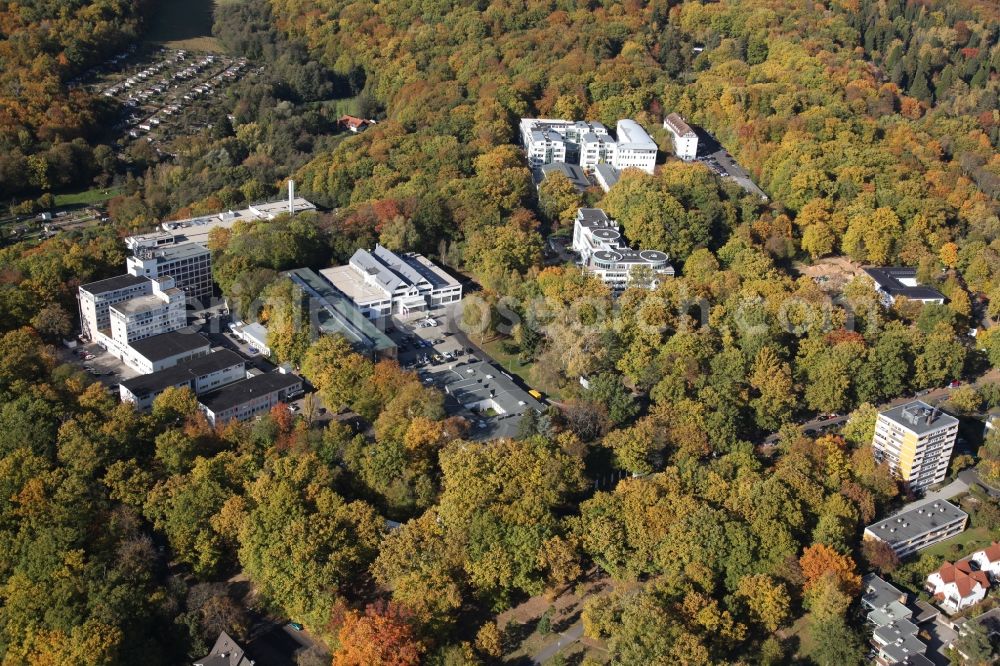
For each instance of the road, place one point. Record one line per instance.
(563, 640)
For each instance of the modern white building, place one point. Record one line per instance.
(685, 138)
(382, 283)
(200, 374)
(96, 299)
(588, 144)
(635, 149)
(603, 252)
(161, 311)
(915, 440)
(165, 351)
(249, 397)
(188, 263)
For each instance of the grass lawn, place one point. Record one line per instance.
(184, 24)
(969, 541)
(87, 197)
(512, 364)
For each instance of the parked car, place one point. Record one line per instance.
(955, 384)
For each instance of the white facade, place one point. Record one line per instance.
(145, 316)
(250, 397)
(145, 361)
(685, 138)
(189, 264)
(201, 374)
(382, 283)
(588, 144)
(603, 252)
(916, 441)
(988, 561)
(635, 149)
(957, 586)
(97, 298)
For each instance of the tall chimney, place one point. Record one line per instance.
(291, 197)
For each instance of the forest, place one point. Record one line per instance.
(872, 125)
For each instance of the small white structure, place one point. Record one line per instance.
(685, 138)
(957, 586)
(255, 335)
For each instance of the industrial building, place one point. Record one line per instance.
(247, 398)
(199, 374)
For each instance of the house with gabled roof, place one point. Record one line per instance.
(958, 586)
(988, 560)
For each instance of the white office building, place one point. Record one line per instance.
(603, 252)
(588, 144)
(96, 299)
(685, 138)
(189, 264)
(635, 149)
(161, 311)
(245, 399)
(200, 374)
(915, 440)
(382, 283)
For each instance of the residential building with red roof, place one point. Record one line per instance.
(958, 586)
(988, 560)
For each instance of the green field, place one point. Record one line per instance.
(184, 24)
(87, 197)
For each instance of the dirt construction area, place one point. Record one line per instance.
(831, 273)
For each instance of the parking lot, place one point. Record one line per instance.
(100, 364)
(474, 386)
(718, 159)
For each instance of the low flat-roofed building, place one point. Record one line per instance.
(892, 282)
(165, 350)
(685, 138)
(333, 313)
(382, 283)
(249, 397)
(255, 335)
(200, 374)
(885, 603)
(919, 527)
(896, 642)
(606, 176)
(481, 387)
(573, 173)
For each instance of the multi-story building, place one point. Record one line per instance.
(96, 299)
(200, 374)
(189, 264)
(603, 252)
(588, 144)
(685, 138)
(634, 149)
(892, 282)
(920, 527)
(161, 311)
(382, 283)
(915, 440)
(250, 397)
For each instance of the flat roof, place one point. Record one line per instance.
(184, 371)
(255, 330)
(180, 251)
(900, 638)
(245, 390)
(573, 173)
(594, 218)
(474, 382)
(889, 278)
(917, 521)
(339, 316)
(114, 283)
(877, 592)
(351, 284)
(139, 304)
(919, 417)
(165, 345)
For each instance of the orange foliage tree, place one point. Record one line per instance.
(819, 559)
(381, 636)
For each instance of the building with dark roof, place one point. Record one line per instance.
(685, 138)
(919, 527)
(573, 173)
(250, 397)
(892, 282)
(166, 350)
(226, 652)
(200, 374)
